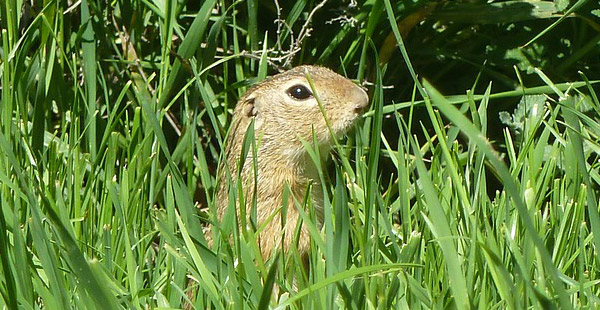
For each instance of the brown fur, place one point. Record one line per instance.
(280, 123)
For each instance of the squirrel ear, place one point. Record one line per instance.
(249, 106)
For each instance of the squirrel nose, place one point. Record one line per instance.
(360, 99)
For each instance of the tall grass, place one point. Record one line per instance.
(114, 118)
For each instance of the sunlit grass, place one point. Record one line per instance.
(109, 149)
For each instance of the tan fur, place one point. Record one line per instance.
(280, 122)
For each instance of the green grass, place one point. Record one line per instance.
(471, 183)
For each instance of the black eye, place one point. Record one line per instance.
(299, 92)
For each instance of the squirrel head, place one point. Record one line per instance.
(285, 109)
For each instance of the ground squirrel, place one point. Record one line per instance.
(285, 111)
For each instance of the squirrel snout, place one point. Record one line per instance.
(360, 99)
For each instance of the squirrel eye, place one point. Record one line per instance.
(299, 92)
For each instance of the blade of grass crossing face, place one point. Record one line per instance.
(336, 143)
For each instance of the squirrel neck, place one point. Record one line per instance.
(276, 171)
(276, 168)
